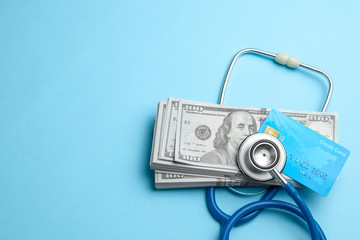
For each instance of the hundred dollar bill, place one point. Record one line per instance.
(157, 163)
(167, 144)
(170, 180)
(208, 135)
(166, 180)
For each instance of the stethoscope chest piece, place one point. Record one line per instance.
(259, 154)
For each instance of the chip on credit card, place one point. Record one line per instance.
(311, 159)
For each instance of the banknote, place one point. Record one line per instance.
(208, 135)
(157, 125)
(167, 144)
(171, 180)
(157, 163)
(167, 180)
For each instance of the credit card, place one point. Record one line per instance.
(311, 159)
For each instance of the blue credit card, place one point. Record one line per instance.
(311, 159)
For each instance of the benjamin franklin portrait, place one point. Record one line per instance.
(234, 129)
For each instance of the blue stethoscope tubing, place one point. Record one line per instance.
(252, 210)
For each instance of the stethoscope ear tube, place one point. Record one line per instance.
(277, 57)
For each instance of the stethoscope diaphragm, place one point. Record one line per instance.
(259, 154)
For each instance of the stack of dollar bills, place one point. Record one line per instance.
(195, 144)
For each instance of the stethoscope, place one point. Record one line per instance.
(262, 157)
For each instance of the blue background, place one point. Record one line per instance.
(79, 86)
